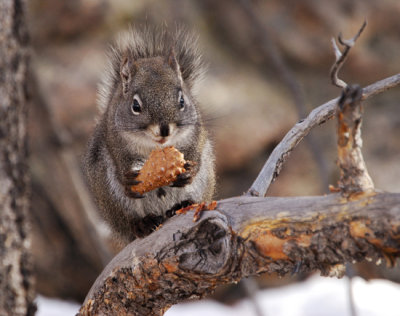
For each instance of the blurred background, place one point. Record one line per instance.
(268, 66)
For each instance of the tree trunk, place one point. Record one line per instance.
(16, 279)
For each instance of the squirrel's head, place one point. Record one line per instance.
(146, 93)
(154, 106)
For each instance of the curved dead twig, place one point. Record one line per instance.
(341, 57)
(318, 116)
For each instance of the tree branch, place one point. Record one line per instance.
(354, 177)
(341, 57)
(318, 116)
(245, 236)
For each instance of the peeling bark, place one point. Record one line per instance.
(354, 177)
(16, 280)
(245, 236)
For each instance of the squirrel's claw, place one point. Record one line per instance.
(184, 178)
(131, 174)
(130, 180)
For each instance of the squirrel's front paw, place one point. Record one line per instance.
(130, 180)
(186, 177)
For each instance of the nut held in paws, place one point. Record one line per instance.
(162, 168)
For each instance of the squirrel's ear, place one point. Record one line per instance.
(173, 62)
(126, 72)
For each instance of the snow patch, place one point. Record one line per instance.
(315, 297)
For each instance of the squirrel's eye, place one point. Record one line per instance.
(181, 102)
(136, 107)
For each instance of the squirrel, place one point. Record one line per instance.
(146, 101)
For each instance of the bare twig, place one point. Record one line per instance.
(352, 304)
(341, 57)
(350, 273)
(251, 288)
(272, 53)
(354, 177)
(318, 116)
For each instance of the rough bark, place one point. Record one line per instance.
(354, 177)
(16, 280)
(245, 236)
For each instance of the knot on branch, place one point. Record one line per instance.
(354, 177)
(170, 266)
(205, 248)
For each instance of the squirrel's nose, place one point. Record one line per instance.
(164, 130)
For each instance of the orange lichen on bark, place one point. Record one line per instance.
(269, 245)
(333, 189)
(198, 208)
(359, 229)
(354, 177)
(344, 135)
(304, 240)
(170, 266)
(87, 309)
(267, 241)
(162, 168)
(361, 195)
